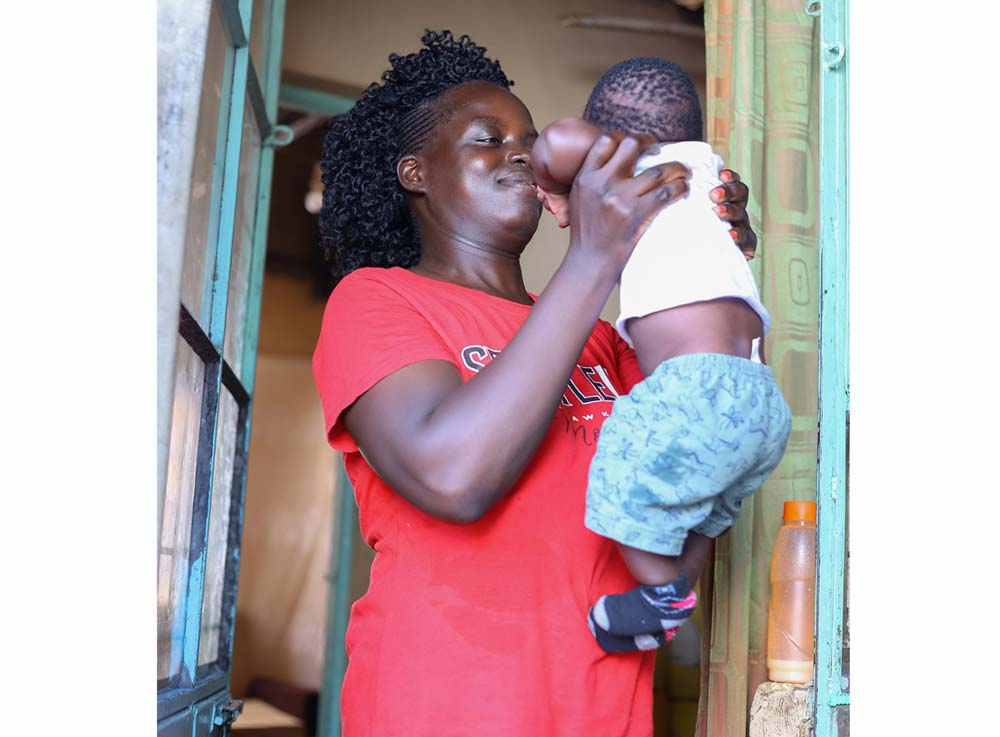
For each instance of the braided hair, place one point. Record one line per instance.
(646, 95)
(365, 220)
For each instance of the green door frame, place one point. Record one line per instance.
(831, 691)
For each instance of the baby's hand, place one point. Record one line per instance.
(557, 204)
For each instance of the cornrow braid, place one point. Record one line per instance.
(415, 126)
(646, 95)
(365, 220)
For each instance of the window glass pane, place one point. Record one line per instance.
(218, 529)
(246, 207)
(203, 199)
(260, 33)
(172, 575)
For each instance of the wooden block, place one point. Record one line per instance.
(780, 710)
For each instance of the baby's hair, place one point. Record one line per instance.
(646, 95)
(365, 220)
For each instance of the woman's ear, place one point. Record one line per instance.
(409, 172)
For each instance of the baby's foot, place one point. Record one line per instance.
(645, 608)
(610, 643)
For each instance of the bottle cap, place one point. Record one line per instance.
(799, 512)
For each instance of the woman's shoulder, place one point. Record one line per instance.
(367, 288)
(387, 299)
(394, 278)
(368, 275)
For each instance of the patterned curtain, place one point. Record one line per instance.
(763, 119)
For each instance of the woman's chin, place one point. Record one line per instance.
(524, 219)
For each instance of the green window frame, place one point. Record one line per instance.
(217, 327)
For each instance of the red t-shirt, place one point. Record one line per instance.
(478, 629)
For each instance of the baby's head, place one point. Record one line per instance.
(646, 95)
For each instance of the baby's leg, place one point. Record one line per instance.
(767, 428)
(663, 600)
(662, 460)
(653, 569)
(649, 615)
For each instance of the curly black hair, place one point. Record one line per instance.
(365, 220)
(646, 95)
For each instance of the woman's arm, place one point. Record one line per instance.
(420, 428)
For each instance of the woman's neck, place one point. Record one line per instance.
(483, 268)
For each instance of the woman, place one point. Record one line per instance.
(468, 409)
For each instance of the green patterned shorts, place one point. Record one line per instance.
(683, 449)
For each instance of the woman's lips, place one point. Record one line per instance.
(518, 179)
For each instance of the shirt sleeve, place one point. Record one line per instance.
(627, 362)
(369, 330)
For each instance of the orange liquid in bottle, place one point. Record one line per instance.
(790, 623)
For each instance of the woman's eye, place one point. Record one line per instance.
(489, 139)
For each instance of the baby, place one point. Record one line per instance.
(708, 424)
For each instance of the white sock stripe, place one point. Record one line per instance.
(646, 642)
(600, 614)
(668, 624)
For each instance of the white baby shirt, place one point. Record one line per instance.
(686, 254)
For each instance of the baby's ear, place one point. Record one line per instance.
(409, 172)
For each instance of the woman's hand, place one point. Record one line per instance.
(732, 198)
(610, 209)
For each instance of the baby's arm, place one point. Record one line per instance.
(557, 156)
(559, 152)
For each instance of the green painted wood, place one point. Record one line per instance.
(302, 98)
(270, 101)
(227, 210)
(218, 170)
(176, 700)
(232, 13)
(216, 333)
(178, 725)
(338, 610)
(257, 104)
(193, 704)
(237, 16)
(273, 43)
(834, 362)
(200, 521)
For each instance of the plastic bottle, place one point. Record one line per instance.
(793, 587)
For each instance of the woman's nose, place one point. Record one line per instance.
(520, 155)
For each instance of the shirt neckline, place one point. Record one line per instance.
(469, 291)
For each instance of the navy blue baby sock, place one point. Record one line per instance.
(645, 610)
(628, 643)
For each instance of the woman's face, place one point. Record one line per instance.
(476, 172)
